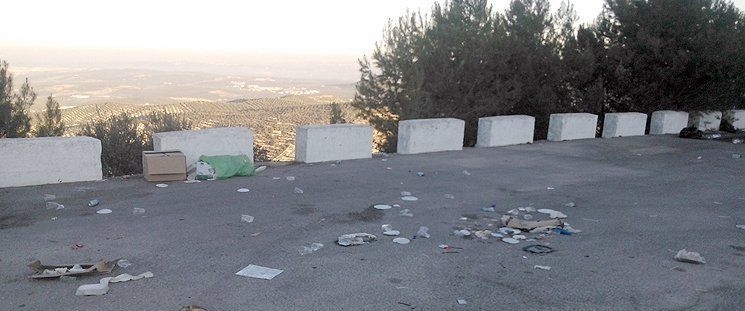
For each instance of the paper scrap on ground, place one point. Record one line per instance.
(243, 190)
(161, 185)
(689, 257)
(355, 239)
(382, 206)
(102, 287)
(409, 198)
(247, 218)
(259, 272)
(542, 267)
(103, 211)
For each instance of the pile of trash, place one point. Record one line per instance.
(519, 224)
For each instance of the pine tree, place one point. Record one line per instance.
(50, 122)
(14, 118)
(337, 116)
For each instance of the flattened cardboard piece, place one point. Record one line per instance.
(513, 222)
(101, 266)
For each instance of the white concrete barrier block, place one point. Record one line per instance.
(505, 131)
(569, 126)
(705, 120)
(318, 143)
(736, 118)
(668, 122)
(49, 160)
(430, 135)
(210, 142)
(624, 124)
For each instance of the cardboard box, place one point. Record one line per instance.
(163, 165)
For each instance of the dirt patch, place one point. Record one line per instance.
(304, 211)
(14, 221)
(369, 214)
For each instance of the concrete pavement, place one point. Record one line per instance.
(638, 201)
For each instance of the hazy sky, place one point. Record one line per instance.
(279, 26)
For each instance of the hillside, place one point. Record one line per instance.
(273, 120)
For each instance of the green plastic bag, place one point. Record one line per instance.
(227, 166)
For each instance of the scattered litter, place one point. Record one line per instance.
(463, 218)
(77, 246)
(550, 188)
(298, 190)
(405, 193)
(552, 213)
(192, 181)
(54, 218)
(736, 156)
(487, 209)
(54, 205)
(243, 190)
(527, 216)
(103, 286)
(409, 198)
(94, 289)
(388, 230)
(482, 234)
(103, 211)
(466, 173)
(420, 174)
(260, 169)
(406, 213)
(192, 308)
(530, 209)
(305, 250)
(449, 196)
(539, 267)
(276, 178)
(123, 263)
(396, 205)
(290, 178)
(513, 211)
(259, 272)
(689, 257)
(462, 301)
(510, 240)
(247, 218)
(128, 277)
(382, 206)
(538, 249)
(423, 232)
(570, 204)
(512, 222)
(54, 271)
(401, 241)
(497, 235)
(737, 141)
(49, 197)
(256, 234)
(93, 203)
(562, 231)
(509, 230)
(519, 237)
(740, 227)
(355, 239)
(717, 203)
(462, 233)
(138, 211)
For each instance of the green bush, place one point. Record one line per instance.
(121, 143)
(124, 137)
